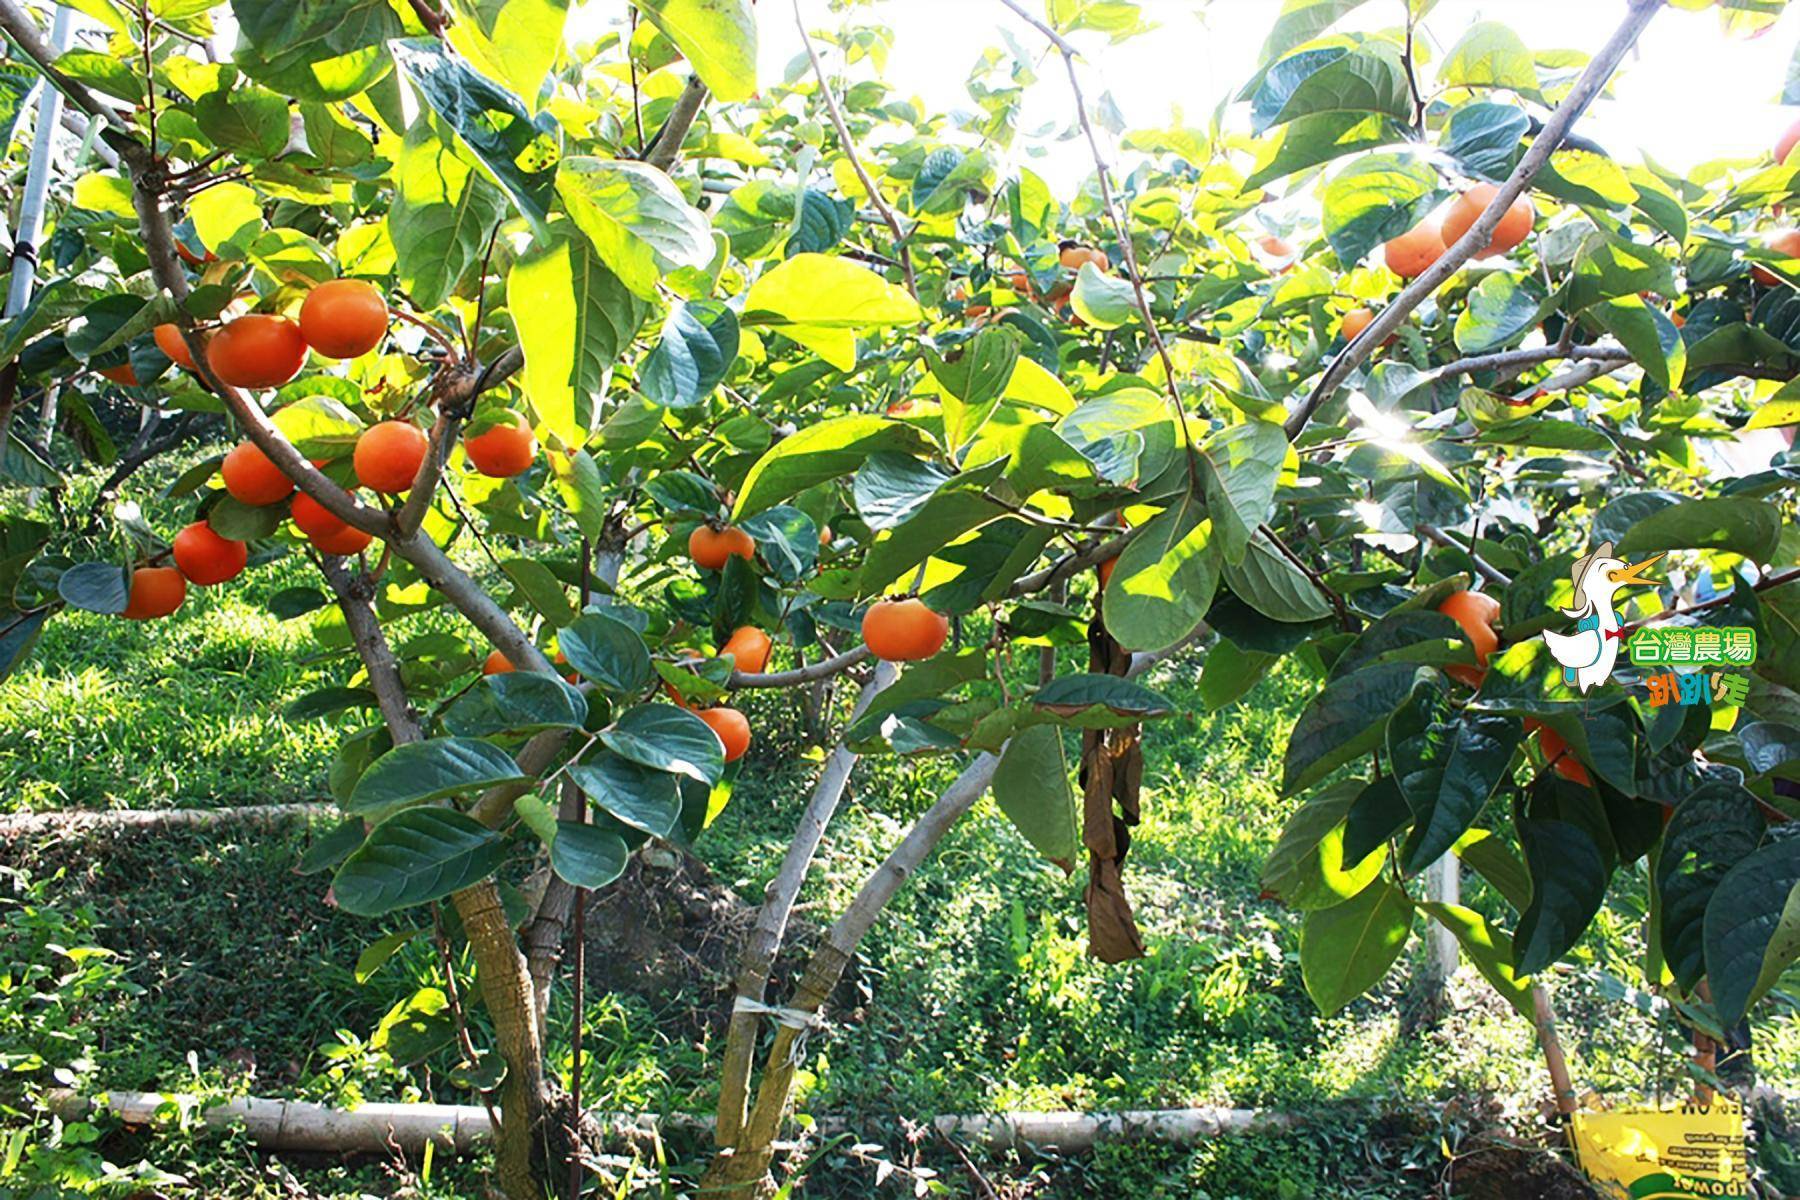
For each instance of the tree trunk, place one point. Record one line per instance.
(504, 982)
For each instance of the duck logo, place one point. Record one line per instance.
(1587, 655)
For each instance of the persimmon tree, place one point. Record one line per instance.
(673, 383)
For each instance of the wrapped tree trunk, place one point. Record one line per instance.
(1112, 772)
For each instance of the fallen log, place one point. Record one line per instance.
(82, 820)
(383, 1128)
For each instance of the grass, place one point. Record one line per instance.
(973, 993)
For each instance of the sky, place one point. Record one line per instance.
(1690, 94)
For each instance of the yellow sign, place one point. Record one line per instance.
(1664, 1154)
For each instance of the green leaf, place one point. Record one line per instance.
(232, 518)
(666, 738)
(512, 41)
(1489, 948)
(1744, 526)
(607, 651)
(1309, 868)
(1752, 928)
(1164, 580)
(1240, 466)
(717, 36)
(1344, 721)
(1301, 21)
(249, 121)
(1712, 829)
(639, 222)
(1502, 308)
(416, 1028)
(95, 587)
(414, 856)
(1271, 583)
(327, 702)
(516, 701)
(1490, 857)
(541, 589)
(1485, 137)
(587, 855)
(1568, 882)
(821, 301)
(642, 797)
(1031, 786)
(974, 378)
(1478, 752)
(1377, 197)
(431, 770)
(1321, 138)
(699, 341)
(1090, 701)
(1346, 950)
(1647, 332)
(574, 317)
(1489, 55)
(380, 950)
(1368, 79)
(319, 427)
(518, 150)
(1230, 672)
(818, 453)
(331, 848)
(444, 212)
(941, 521)
(1101, 300)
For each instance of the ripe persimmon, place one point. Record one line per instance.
(252, 477)
(1276, 247)
(348, 540)
(1514, 227)
(344, 318)
(314, 519)
(1073, 255)
(1104, 570)
(1556, 753)
(1785, 242)
(123, 374)
(1476, 612)
(170, 342)
(206, 558)
(1413, 252)
(1355, 321)
(497, 664)
(388, 456)
(904, 630)
(155, 592)
(749, 648)
(257, 350)
(1020, 282)
(731, 728)
(504, 450)
(710, 548)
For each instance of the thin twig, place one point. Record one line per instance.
(1120, 231)
(849, 147)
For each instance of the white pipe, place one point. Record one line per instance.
(71, 820)
(378, 1128)
(37, 177)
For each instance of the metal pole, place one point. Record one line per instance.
(37, 177)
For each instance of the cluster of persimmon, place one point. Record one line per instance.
(1071, 256)
(1478, 614)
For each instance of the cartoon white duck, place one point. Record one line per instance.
(1588, 654)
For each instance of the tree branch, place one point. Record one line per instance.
(823, 669)
(1592, 80)
(667, 146)
(1126, 250)
(757, 958)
